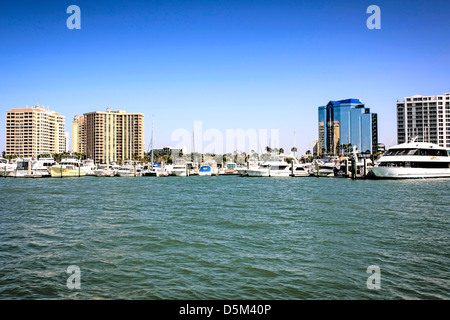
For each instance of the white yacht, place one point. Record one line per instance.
(22, 169)
(275, 167)
(253, 163)
(414, 160)
(180, 169)
(303, 170)
(40, 166)
(325, 167)
(88, 165)
(157, 170)
(105, 170)
(7, 168)
(130, 169)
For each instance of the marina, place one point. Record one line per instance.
(414, 160)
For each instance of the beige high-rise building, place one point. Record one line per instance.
(34, 131)
(114, 135)
(79, 134)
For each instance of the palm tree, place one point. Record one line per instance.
(280, 151)
(268, 149)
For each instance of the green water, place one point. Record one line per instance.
(224, 238)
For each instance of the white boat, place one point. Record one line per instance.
(156, 171)
(68, 167)
(88, 166)
(253, 163)
(130, 169)
(180, 169)
(276, 167)
(22, 169)
(105, 170)
(414, 160)
(7, 168)
(303, 170)
(325, 167)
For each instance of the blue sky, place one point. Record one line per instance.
(230, 64)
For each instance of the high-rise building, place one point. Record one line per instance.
(346, 122)
(79, 134)
(114, 135)
(424, 117)
(34, 131)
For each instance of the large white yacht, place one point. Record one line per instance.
(414, 160)
(30, 167)
(277, 166)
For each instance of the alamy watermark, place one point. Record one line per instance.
(374, 280)
(74, 280)
(374, 21)
(215, 141)
(74, 21)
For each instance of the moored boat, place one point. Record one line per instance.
(413, 160)
(68, 167)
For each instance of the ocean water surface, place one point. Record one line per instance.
(224, 237)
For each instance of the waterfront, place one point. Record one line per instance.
(224, 238)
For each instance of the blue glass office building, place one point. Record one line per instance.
(346, 122)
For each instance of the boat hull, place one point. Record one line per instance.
(410, 173)
(56, 172)
(179, 173)
(267, 173)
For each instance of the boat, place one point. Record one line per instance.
(130, 169)
(68, 167)
(253, 163)
(413, 160)
(105, 170)
(156, 170)
(230, 169)
(22, 169)
(277, 166)
(362, 166)
(205, 171)
(88, 165)
(6, 167)
(325, 167)
(180, 168)
(302, 170)
(209, 168)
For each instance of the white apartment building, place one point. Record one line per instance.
(424, 117)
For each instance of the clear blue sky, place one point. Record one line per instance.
(230, 64)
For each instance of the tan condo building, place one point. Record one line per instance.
(34, 131)
(114, 135)
(79, 134)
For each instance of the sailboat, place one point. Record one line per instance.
(154, 171)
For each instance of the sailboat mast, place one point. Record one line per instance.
(151, 142)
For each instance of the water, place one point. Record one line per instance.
(224, 238)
